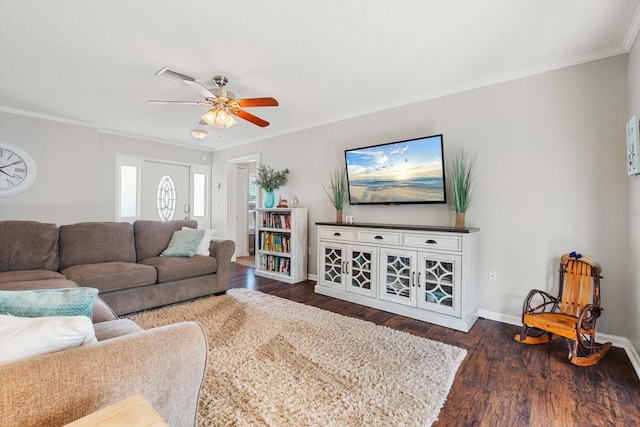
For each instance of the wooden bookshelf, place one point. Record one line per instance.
(281, 244)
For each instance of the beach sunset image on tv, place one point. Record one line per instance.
(401, 172)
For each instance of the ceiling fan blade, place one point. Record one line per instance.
(250, 118)
(179, 102)
(169, 74)
(257, 102)
(199, 87)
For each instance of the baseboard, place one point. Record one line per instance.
(634, 357)
(313, 277)
(616, 341)
(499, 317)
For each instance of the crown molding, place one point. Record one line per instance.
(98, 128)
(49, 117)
(632, 32)
(159, 141)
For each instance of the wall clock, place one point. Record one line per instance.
(17, 170)
(633, 146)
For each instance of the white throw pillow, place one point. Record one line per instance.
(24, 337)
(203, 247)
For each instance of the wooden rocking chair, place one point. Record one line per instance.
(571, 315)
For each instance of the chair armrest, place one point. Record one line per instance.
(222, 250)
(166, 365)
(588, 316)
(547, 300)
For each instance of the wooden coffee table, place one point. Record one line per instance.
(134, 411)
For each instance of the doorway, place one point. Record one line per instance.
(243, 199)
(157, 190)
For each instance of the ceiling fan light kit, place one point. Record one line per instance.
(223, 102)
(219, 118)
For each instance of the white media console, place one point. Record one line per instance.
(423, 272)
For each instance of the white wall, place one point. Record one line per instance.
(66, 157)
(76, 168)
(552, 177)
(634, 207)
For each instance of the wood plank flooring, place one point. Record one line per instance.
(500, 382)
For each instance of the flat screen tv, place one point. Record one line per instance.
(400, 172)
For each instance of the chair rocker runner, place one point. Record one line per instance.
(572, 314)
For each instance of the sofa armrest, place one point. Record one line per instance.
(222, 250)
(57, 388)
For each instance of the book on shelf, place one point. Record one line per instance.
(274, 242)
(276, 264)
(276, 220)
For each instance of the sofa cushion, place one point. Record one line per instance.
(153, 237)
(28, 275)
(48, 302)
(111, 276)
(95, 242)
(28, 245)
(184, 243)
(171, 269)
(115, 328)
(205, 242)
(101, 311)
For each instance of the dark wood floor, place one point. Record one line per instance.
(500, 382)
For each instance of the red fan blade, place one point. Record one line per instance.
(257, 102)
(250, 118)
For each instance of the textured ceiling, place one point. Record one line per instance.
(94, 61)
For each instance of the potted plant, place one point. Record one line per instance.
(270, 179)
(338, 193)
(462, 177)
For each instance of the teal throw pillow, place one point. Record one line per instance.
(184, 243)
(48, 302)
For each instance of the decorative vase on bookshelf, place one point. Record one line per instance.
(270, 179)
(269, 199)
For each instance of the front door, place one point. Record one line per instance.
(165, 191)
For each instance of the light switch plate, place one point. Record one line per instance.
(633, 146)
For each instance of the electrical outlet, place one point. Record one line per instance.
(493, 276)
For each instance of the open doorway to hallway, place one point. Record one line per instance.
(243, 200)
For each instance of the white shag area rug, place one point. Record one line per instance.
(275, 362)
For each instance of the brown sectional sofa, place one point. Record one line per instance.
(120, 259)
(166, 364)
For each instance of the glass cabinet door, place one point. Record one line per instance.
(397, 271)
(332, 265)
(361, 274)
(439, 283)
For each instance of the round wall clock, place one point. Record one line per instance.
(17, 170)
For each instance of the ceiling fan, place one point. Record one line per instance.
(223, 102)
